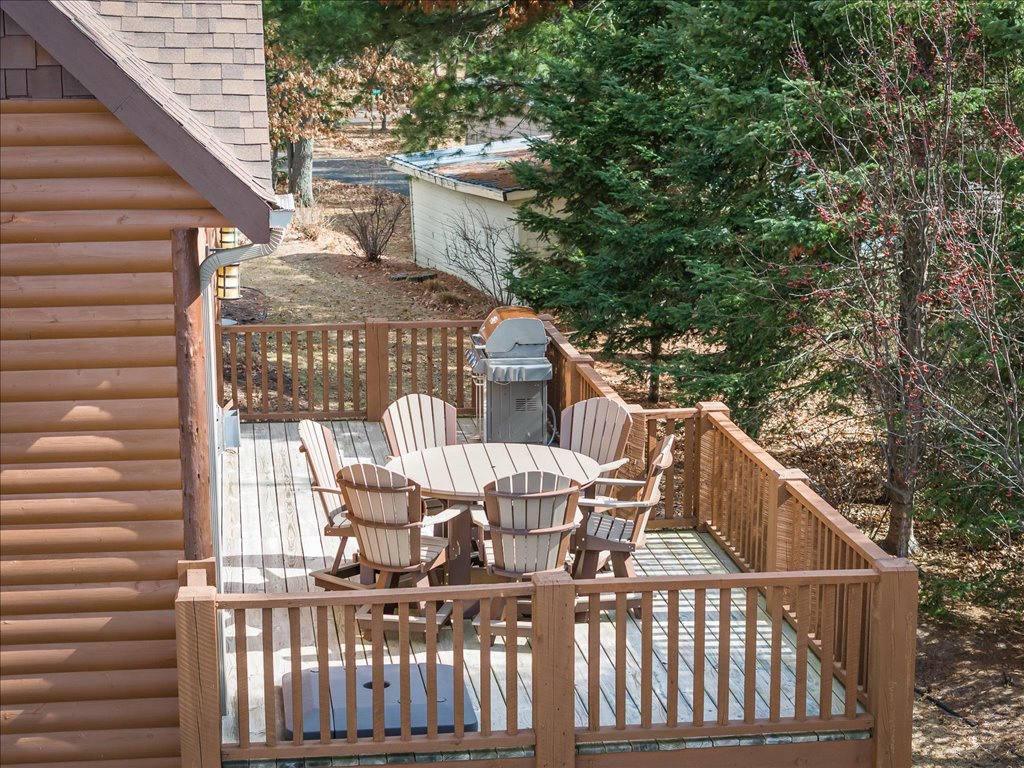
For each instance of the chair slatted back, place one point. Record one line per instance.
(385, 510)
(598, 428)
(661, 459)
(316, 442)
(415, 422)
(530, 516)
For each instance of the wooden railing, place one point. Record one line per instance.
(608, 660)
(343, 370)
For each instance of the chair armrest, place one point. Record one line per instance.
(389, 458)
(613, 465)
(623, 481)
(443, 517)
(325, 489)
(479, 518)
(606, 502)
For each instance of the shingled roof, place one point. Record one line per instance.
(187, 77)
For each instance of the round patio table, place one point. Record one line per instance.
(458, 473)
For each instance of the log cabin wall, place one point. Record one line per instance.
(91, 504)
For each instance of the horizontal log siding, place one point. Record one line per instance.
(90, 512)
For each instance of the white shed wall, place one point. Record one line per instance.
(435, 212)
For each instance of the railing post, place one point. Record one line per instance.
(553, 630)
(776, 501)
(893, 636)
(701, 426)
(378, 385)
(195, 620)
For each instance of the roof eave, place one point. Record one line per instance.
(479, 190)
(142, 114)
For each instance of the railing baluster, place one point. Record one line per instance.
(444, 364)
(775, 664)
(484, 632)
(594, 662)
(377, 635)
(352, 723)
(828, 617)
(310, 372)
(357, 373)
(750, 657)
(323, 673)
(279, 353)
(403, 670)
(672, 716)
(399, 372)
(431, 619)
(460, 376)
(242, 675)
(853, 646)
(264, 374)
(325, 355)
(339, 346)
(699, 600)
(458, 703)
(803, 609)
(430, 360)
(414, 361)
(296, 404)
(724, 630)
(248, 373)
(233, 358)
(269, 691)
(295, 650)
(646, 657)
(511, 665)
(621, 618)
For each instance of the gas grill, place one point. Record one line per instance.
(508, 355)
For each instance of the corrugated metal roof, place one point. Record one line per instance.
(481, 169)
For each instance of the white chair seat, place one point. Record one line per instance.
(431, 547)
(609, 528)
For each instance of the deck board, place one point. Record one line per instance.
(271, 538)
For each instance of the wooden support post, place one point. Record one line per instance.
(195, 618)
(553, 630)
(703, 495)
(775, 503)
(893, 634)
(378, 390)
(192, 417)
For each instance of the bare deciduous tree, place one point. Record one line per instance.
(918, 296)
(479, 250)
(373, 227)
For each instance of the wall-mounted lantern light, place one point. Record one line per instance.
(229, 284)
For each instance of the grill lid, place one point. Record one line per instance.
(513, 332)
(511, 369)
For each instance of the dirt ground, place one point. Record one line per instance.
(969, 710)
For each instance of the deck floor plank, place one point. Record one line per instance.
(271, 538)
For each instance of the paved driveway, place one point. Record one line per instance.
(360, 170)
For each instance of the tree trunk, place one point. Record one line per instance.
(300, 171)
(654, 380)
(901, 529)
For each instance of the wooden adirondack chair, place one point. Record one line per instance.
(598, 428)
(617, 526)
(386, 512)
(415, 422)
(316, 442)
(530, 518)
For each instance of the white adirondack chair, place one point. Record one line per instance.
(617, 526)
(386, 512)
(415, 422)
(598, 428)
(316, 443)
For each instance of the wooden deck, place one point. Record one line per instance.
(270, 540)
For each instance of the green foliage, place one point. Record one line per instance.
(661, 192)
